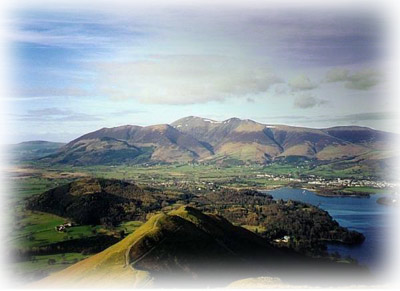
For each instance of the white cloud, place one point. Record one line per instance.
(337, 75)
(32, 92)
(70, 39)
(280, 90)
(54, 114)
(301, 82)
(361, 80)
(184, 79)
(304, 101)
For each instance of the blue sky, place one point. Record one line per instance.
(77, 70)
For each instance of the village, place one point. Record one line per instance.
(265, 181)
(337, 182)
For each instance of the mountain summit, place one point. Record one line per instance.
(199, 139)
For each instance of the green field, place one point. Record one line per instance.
(40, 266)
(129, 226)
(369, 190)
(38, 229)
(32, 229)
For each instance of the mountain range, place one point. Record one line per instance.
(196, 139)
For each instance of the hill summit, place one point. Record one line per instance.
(97, 200)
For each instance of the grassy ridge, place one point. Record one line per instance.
(106, 267)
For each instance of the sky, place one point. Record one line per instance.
(77, 69)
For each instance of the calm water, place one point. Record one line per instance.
(361, 214)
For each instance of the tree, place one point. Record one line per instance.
(31, 237)
(122, 234)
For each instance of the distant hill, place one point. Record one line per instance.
(32, 150)
(196, 139)
(189, 248)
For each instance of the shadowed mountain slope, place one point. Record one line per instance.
(101, 150)
(131, 144)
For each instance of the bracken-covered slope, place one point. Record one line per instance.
(185, 248)
(204, 140)
(97, 151)
(252, 141)
(131, 144)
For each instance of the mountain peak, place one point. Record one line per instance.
(159, 127)
(185, 121)
(233, 119)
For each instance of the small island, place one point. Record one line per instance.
(388, 201)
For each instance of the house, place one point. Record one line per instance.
(60, 228)
(63, 227)
(285, 239)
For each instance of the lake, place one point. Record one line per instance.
(364, 215)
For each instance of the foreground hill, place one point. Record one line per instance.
(234, 140)
(189, 248)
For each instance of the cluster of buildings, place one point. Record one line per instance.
(337, 182)
(352, 183)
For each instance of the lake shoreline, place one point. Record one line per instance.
(362, 215)
(322, 192)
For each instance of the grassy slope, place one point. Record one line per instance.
(27, 269)
(111, 268)
(108, 267)
(37, 229)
